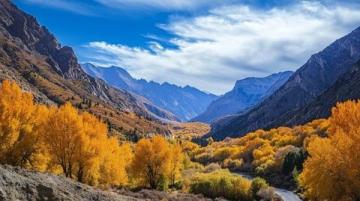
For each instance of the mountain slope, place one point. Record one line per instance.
(313, 78)
(347, 87)
(246, 93)
(31, 56)
(185, 102)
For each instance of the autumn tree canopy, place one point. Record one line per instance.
(156, 159)
(59, 139)
(332, 172)
(20, 122)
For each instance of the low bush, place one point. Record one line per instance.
(256, 185)
(233, 164)
(221, 183)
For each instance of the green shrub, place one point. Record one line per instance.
(221, 183)
(163, 184)
(293, 159)
(233, 164)
(256, 185)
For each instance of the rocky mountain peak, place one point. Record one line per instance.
(31, 56)
(34, 37)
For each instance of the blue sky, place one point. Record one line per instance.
(206, 44)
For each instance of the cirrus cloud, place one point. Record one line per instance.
(162, 5)
(232, 42)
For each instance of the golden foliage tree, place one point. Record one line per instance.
(64, 137)
(332, 171)
(156, 159)
(59, 139)
(20, 120)
(79, 143)
(176, 163)
(115, 163)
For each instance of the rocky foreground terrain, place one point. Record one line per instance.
(20, 184)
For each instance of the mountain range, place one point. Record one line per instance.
(31, 56)
(317, 75)
(245, 94)
(184, 102)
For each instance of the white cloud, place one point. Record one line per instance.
(71, 6)
(161, 4)
(232, 42)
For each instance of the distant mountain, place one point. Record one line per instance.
(246, 93)
(185, 102)
(313, 78)
(31, 56)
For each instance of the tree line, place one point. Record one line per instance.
(321, 157)
(65, 141)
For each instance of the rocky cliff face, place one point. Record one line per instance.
(318, 74)
(245, 94)
(31, 55)
(185, 102)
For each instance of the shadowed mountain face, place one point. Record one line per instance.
(246, 93)
(347, 87)
(31, 56)
(185, 102)
(318, 74)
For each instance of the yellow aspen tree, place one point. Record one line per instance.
(151, 161)
(63, 137)
(176, 163)
(30, 150)
(332, 170)
(113, 169)
(16, 125)
(91, 151)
